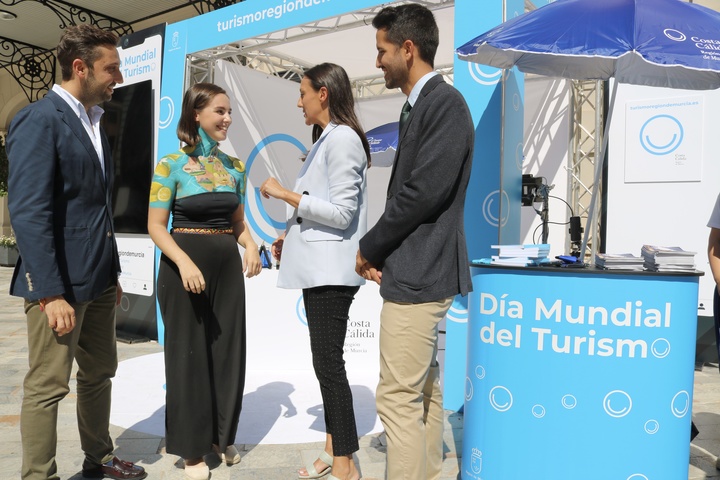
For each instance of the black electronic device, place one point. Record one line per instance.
(576, 231)
(128, 122)
(530, 188)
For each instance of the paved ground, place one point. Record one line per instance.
(260, 462)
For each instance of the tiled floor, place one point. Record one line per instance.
(260, 462)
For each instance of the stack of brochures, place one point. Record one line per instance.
(668, 259)
(619, 261)
(520, 255)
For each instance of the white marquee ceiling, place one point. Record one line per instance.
(39, 24)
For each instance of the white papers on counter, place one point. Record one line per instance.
(520, 255)
(668, 259)
(619, 261)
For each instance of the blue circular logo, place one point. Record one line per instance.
(300, 310)
(680, 405)
(166, 105)
(492, 208)
(675, 35)
(569, 401)
(538, 411)
(661, 134)
(660, 348)
(501, 399)
(617, 403)
(468, 389)
(256, 199)
(652, 426)
(482, 77)
(458, 311)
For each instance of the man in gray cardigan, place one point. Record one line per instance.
(417, 251)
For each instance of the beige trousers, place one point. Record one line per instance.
(409, 399)
(92, 344)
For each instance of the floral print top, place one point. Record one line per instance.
(196, 170)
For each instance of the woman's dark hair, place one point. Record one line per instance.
(410, 22)
(196, 98)
(81, 41)
(341, 104)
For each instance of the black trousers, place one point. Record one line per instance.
(327, 309)
(204, 346)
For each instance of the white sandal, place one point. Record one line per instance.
(230, 457)
(312, 473)
(199, 471)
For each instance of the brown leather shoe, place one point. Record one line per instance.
(115, 468)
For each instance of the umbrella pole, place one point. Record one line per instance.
(590, 223)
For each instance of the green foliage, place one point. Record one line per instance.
(8, 241)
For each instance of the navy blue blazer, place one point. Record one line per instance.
(419, 241)
(60, 205)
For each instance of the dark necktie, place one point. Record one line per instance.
(404, 114)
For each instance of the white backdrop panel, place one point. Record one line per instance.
(277, 327)
(663, 212)
(265, 109)
(547, 138)
(267, 131)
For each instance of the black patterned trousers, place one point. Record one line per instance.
(327, 309)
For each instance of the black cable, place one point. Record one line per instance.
(534, 232)
(539, 212)
(572, 214)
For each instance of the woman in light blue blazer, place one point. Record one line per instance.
(327, 215)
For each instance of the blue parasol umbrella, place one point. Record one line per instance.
(660, 43)
(383, 144)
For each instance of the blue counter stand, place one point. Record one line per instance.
(579, 373)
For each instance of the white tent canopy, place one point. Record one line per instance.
(288, 52)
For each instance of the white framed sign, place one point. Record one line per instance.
(663, 140)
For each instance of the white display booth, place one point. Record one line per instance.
(272, 136)
(269, 135)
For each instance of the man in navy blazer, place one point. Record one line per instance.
(416, 251)
(59, 197)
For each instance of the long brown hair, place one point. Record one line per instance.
(341, 104)
(196, 98)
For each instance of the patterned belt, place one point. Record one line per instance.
(203, 231)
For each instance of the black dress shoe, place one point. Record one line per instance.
(115, 468)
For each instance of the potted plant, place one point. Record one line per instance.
(8, 251)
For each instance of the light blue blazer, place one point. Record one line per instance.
(322, 234)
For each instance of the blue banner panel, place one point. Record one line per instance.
(455, 354)
(492, 205)
(482, 88)
(258, 17)
(581, 375)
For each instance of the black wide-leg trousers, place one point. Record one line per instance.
(204, 346)
(327, 309)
